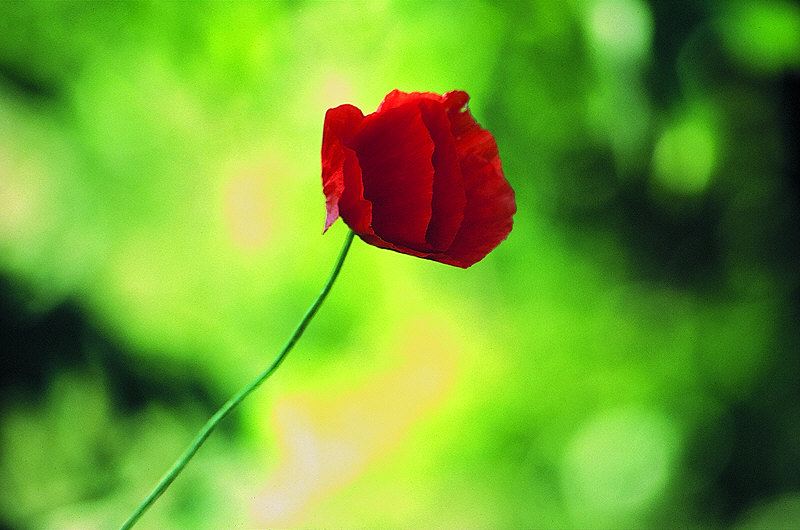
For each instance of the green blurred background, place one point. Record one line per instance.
(627, 358)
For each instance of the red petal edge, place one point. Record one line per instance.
(340, 124)
(395, 98)
(488, 215)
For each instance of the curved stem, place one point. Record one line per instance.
(204, 433)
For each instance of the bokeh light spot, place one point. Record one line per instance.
(621, 30)
(618, 465)
(685, 156)
(763, 36)
(23, 198)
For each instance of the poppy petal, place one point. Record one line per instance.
(395, 98)
(471, 138)
(487, 216)
(449, 200)
(340, 124)
(354, 208)
(394, 151)
(377, 241)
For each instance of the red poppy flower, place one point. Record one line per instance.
(418, 176)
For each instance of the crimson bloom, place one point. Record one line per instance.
(418, 176)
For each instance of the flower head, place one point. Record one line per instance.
(418, 176)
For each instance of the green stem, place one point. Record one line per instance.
(178, 466)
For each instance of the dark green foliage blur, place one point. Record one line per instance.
(629, 357)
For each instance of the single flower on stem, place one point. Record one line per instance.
(418, 176)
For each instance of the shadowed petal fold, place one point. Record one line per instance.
(394, 151)
(449, 199)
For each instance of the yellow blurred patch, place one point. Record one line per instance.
(327, 442)
(247, 210)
